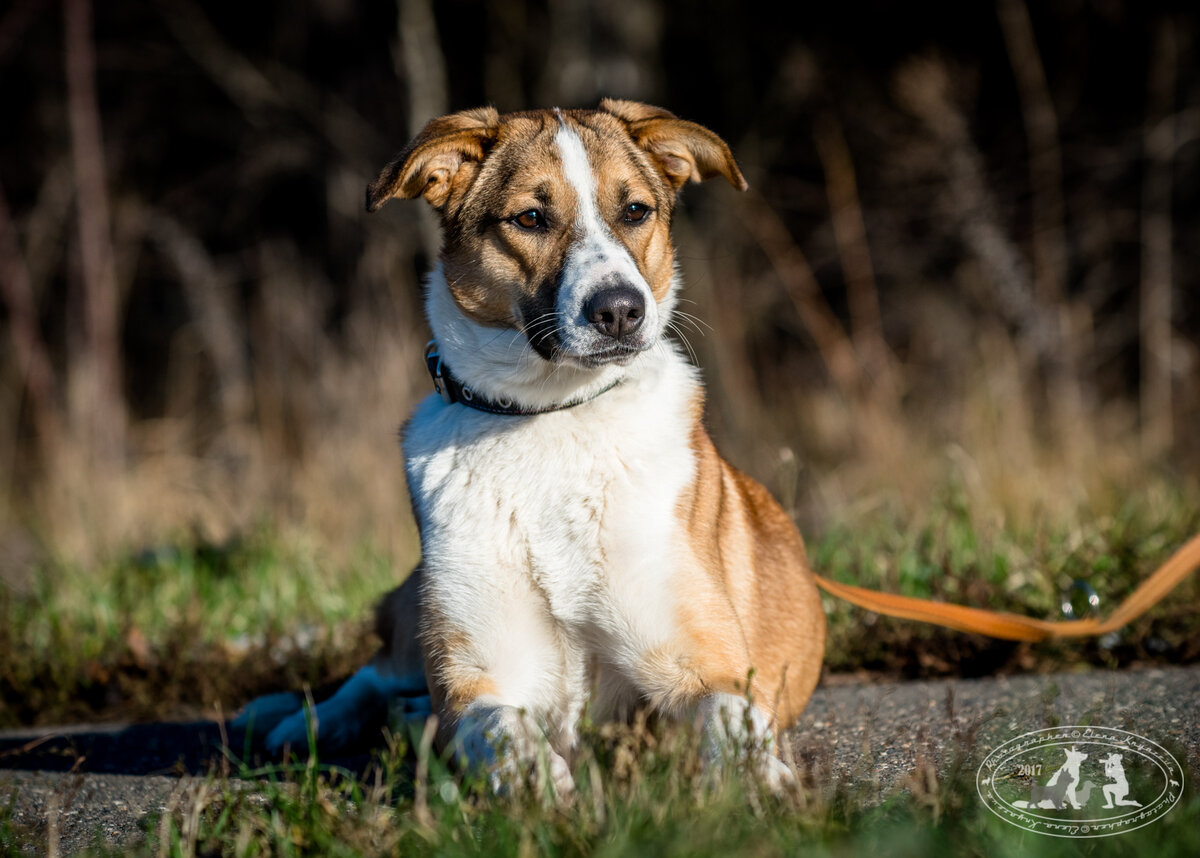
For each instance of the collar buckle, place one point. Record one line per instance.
(433, 362)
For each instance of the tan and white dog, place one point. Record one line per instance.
(583, 543)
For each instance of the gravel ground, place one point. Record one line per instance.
(876, 735)
(82, 785)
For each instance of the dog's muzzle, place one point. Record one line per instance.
(616, 312)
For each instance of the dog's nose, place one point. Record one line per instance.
(616, 311)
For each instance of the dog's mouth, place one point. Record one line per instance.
(618, 354)
(558, 346)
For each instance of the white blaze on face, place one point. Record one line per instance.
(596, 260)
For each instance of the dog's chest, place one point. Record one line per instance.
(575, 508)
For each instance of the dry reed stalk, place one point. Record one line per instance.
(258, 93)
(850, 235)
(1045, 153)
(872, 413)
(788, 262)
(1048, 239)
(33, 358)
(421, 810)
(96, 369)
(923, 87)
(53, 836)
(1159, 140)
(739, 402)
(211, 297)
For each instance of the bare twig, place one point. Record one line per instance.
(210, 294)
(792, 269)
(99, 366)
(1157, 231)
(850, 234)
(1045, 153)
(1048, 241)
(257, 91)
(923, 87)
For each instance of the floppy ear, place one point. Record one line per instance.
(680, 149)
(446, 153)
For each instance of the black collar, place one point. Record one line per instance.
(453, 390)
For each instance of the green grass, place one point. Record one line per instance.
(182, 627)
(638, 793)
(176, 630)
(949, 553)
(162, 631)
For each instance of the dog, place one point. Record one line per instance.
(584, 546)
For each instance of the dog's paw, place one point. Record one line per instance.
(774, 773)
(507, 743)
(262, 714)
(559, 773)
(547, 774)
(736, 736)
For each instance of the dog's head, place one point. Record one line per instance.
(556, 224)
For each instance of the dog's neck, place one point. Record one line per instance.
(500, 365)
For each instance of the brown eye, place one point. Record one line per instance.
(636, 212)
(532, 219)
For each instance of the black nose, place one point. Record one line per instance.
(616, 311)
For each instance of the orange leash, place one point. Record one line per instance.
(1014, 627)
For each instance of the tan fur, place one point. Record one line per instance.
(756, 605)
(453, 672)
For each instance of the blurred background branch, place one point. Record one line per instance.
(1157, 236)
(971, 248)
(96, 402)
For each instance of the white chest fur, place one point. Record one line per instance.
(550, 541)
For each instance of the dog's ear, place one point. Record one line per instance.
(680, 149)
(445, 154)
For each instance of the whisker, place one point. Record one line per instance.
(675, 329)
(695, 321)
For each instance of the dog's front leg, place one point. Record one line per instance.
(733, 730)
(507, 743)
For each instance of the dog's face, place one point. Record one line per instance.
(557, 223)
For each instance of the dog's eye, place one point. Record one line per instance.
(636, 212)
(532, 219)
